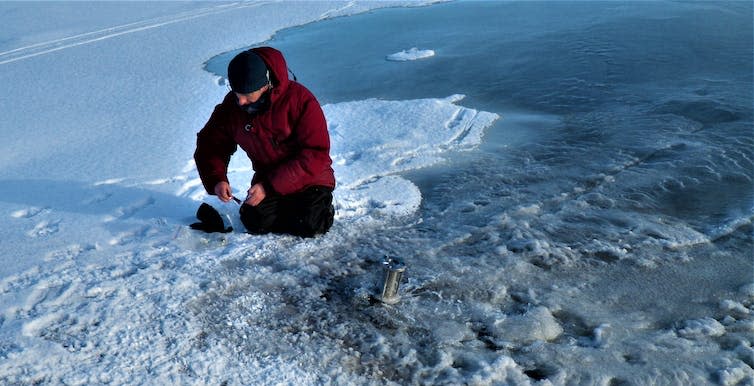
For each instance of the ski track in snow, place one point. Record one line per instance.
(54, 45)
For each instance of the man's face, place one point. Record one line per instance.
(252, 97)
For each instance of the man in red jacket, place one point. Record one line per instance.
(281, 127)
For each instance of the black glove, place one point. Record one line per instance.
(209, 220)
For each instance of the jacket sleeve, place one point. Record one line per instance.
(214, 147)
(312, 157)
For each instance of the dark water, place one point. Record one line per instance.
(655, 95)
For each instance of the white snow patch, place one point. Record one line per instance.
(35, 326)
(377, 137)
(413, 53)
(735, 308)
(706, 327)
(537, 324)
(736, 374)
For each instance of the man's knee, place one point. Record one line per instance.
(306, 214)
(316, 223)
(257, 219)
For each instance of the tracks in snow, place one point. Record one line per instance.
(54, 45)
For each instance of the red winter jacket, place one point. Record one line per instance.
(288, 144)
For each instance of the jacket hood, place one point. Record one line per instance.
(276, 63)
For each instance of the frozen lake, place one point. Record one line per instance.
(600, 232)
(615, 194)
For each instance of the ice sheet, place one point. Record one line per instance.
(576, 244)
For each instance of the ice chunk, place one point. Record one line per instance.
(694, 329)
(387, 196)
(504, 370)
(602, 334)
(451, 332)
(734, 375)
(373, 138)
(537, 324)
(411, 54)
(734, 307)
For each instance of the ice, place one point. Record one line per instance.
(734, 375)
(748, 291)
(410, 54)
(701, 328)
(569, 185)
(419, 132)
(536, 324)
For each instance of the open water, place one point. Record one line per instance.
(656, 97)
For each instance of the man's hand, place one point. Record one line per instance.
(223, 192)
(256, 195)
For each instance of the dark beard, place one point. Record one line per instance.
(262, 104)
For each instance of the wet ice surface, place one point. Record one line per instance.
(601, 233)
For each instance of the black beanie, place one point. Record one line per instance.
(247, 73)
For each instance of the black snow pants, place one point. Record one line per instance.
(306, 214)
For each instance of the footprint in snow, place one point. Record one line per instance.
(97, 199)
(44, 228)
(132, 236)
(29, 212)
(70, 252)
(125, 212)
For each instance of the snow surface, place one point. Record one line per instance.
(410, 54)
(102, 282)
(100, 276)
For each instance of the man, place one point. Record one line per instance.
(281, 127)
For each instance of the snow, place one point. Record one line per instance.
(703, 327)
(535, 325)
(410, 54)
(101, 281)
(99, 118)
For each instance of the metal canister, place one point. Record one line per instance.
(394, 270)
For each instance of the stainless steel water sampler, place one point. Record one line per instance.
(394, 270)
